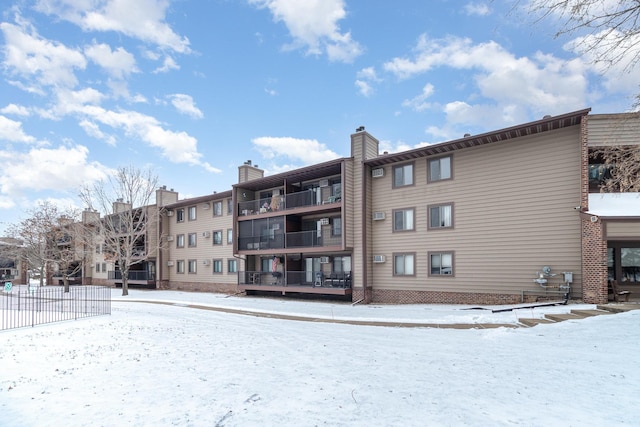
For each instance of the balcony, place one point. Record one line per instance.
(136, 277)
(310, 282)
(278, 203)
(294, 240)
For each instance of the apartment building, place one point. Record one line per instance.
(508, 216)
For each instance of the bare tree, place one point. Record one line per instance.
(612, 27)
(51, 239)
(125, 203)
(620, 168)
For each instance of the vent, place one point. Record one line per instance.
(324, 183)
(169, 263)
(205, 262)
(169, 238)
(206, 206)
(324, 260)
(169, 213)
(379, 259)
(377, 216)
(377, 172)
(324, 221)
(206, 234)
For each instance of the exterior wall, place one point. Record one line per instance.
(204, 252)
(622, 230)
(614, 129)
(513, 213)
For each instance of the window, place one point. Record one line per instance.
(180, 215)
(440, 169)
(440, 216)
(403, 220)
(217, 266)
(192, 265)
(192, 213)
(404, 264)
(265, 264)
(403, 175)
(217, 237)
(342, 264)
(97, 249)
(441, 264)
(192, 240)
(336, 226)
(229, 206)
(217, 208)
(104, 267)
(232, 266)
(180, 241)
(97, 267)
(180, 267)
(229, 236)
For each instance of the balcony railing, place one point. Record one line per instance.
(133, 275)
(284, 202)
(298, 239)
(312, 279)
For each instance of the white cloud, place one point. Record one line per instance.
(307, 151)
(479, 9)
(16, 110)
(419, 102)
(184, 104)
(40, 169)
(41, 62)
(93, 130)
(364, 81)
(118, 63)
(167, 65)
(11, 130)
(141, 19)
(542, 84)
(313, 25)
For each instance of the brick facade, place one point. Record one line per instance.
(594, 261)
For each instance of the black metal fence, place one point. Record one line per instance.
(22, 306)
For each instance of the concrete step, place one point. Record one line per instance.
(619, 308)
(589, 313)
(563, 317)
(534, 322)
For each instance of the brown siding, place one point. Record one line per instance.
(622, 229)
(617, 129)
(514, 213)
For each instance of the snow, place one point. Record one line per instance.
(614, 204)
(179, 363)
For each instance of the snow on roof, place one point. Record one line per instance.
(614, 204)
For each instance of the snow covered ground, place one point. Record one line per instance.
(168, 364)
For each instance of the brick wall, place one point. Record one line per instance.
(224, 288)
(428, 297)
(594, 262)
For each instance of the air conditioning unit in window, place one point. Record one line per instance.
(169, 263)
(324, 183)
(205, 262)
(324, 221)
(169, 238)
(379, 259)
(324, 260)
(377, 172)
(206, 234)
(170, 213)
(378, 216)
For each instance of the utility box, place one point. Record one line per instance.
(568, 276)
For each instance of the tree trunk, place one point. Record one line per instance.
(65, 281)
(125, 284)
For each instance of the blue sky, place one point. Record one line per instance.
(192, 89)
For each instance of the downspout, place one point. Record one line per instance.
(363, 213)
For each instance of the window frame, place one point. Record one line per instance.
(213, 237)
(229, 236)
(217, 208)
(439, 206)
(180, 215)
(180, 241)
(195, 240)
(396, 255)
(180, 266)
(439, 160)
(192, 213)
(192, 266)
(413, 220)
(336, 231)
(214, 263)
(403, 184)
(430, 254)
(234, 262)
